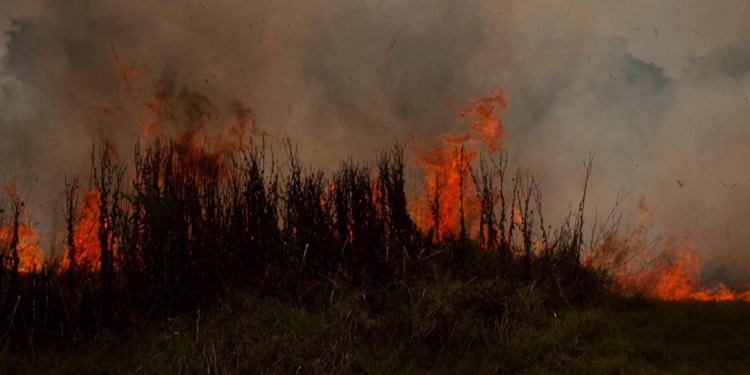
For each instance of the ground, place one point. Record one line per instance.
(252, 334)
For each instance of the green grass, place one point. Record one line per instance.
(422, 330)
(647, 337)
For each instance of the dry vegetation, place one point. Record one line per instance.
(236, 262)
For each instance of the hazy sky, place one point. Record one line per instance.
(657, 89)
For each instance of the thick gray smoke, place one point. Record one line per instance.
(657, 89)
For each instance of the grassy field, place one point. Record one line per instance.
(422, 333)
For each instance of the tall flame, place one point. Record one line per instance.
(29, 256)
(449, 187)
(485, 113)
(85, 235)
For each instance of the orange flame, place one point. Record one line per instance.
(448, 168)
(11, 189)
(171, 112)
(646, 213)
(486, 117)
(86, 231)
(126, 71)
(679, 279)
(29, 256)
(674, 276)
(190, 145)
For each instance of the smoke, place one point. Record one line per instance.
(657, 89)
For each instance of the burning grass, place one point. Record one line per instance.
(468, 272)
(666, 268)
(196, 220)
(195, 225)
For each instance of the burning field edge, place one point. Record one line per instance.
(219, 262)
(212, 251)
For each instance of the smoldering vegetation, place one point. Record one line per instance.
(193, 227)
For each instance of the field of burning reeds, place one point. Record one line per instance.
(193, 226)
(229, 255)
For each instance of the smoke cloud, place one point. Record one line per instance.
(658, 90)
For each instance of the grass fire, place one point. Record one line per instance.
(433, 188)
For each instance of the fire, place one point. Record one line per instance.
(11, 189)
(29, 256)
(671, 272)
(86, 230)
(449, 187)
(189, 119)
(126, 71)
(184, 117)
(486, 117)
(679, 279)
(517, 218)
(149, 127)
(646, 214)
(445, 206)
(448, 171)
